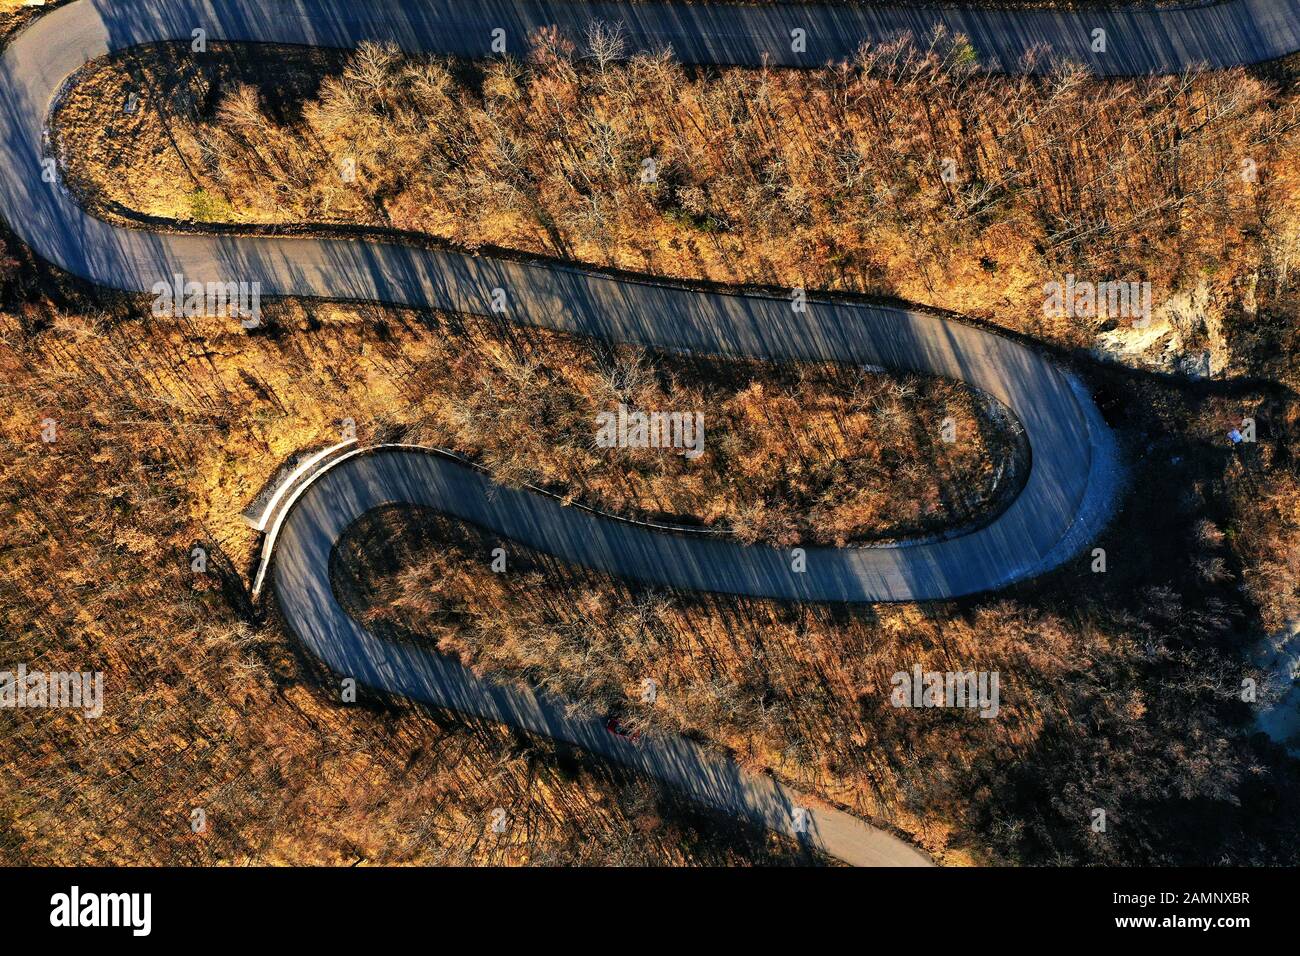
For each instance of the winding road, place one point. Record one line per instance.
(1072, 479)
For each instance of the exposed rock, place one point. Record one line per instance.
(1184, 335)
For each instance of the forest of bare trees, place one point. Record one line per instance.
(903, 174)
(207, 705)
(1119, 688)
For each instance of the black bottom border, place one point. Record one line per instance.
(304, 906)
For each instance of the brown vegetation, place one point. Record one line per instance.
(828, 179)
(1119, 690)
(160, 430)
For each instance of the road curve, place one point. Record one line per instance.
(1044, 524)
(320, 511)
(1070, 483)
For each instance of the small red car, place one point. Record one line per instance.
(616, 727)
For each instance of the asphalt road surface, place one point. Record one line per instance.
(1072, 479)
